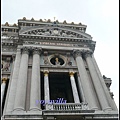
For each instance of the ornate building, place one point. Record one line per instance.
(49, 73)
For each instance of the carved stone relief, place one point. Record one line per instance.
(46, 58)
(54, 32)
(69, 62)
(6, 64)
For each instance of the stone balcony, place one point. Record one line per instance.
(66, 109)
(67, 106)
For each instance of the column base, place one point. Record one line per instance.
(94, 108)
(107, 109)
(19, 111)
(35, 112)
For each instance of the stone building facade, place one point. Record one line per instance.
(49, 73)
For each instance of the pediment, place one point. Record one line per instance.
(53, 31)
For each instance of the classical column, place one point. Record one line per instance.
(4, 80)
(20, 97)
(96, 82)
(85, 82)
(13, 83)
(46, 86)
(111, 102)
(35, 93)
(80, 88)
(74, 88)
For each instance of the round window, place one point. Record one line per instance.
(57, 61)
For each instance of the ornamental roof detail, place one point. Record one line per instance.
(52, 31)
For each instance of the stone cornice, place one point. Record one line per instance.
(8, 44)
(55, 38)
(49, 21)
(15, 27)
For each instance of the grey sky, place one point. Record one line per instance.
(100, 16)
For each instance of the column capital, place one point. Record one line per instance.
(87, 53)
(25, 50)
(77, 53)
(46, 73)
(4, 80)
(71, 73)
(36, 50)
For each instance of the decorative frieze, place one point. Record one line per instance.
(55, 32)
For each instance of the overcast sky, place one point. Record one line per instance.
(100, 16)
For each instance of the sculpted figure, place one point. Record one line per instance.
(6, 66)
(55, 33)
(64, 34)
(57, 61)
(47, 33)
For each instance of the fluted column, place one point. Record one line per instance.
(20, 97)
(80, 87)
(110, 100)
(85, 82)
(74, 88)
(4, 80)
(97, 84)
(46, 86)
(35, 93)
(13, 83)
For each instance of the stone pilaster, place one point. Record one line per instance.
(85, 82)
(20, 97)
(35, 93)
(96, 82)
(74, 88)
